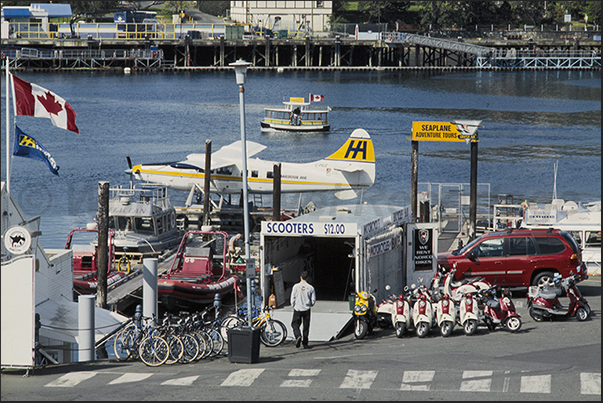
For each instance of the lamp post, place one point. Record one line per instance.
(240, 67)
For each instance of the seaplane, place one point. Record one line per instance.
(347, 171)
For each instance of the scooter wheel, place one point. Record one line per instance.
(513, 323)
(360, 329)
(446, 328)
(536, 315)
(422, 329)
(470, 327)
(581, 314)
(399, 330)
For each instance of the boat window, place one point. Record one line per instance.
(593, 239)
(160, 224)
(144, 225)
(122, 223)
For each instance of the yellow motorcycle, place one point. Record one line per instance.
(365, 314)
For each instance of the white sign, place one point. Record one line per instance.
(296, 228)
(567, 18)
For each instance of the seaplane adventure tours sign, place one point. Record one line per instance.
(444, 131)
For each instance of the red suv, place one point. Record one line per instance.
(517, 257)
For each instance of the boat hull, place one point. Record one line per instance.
(291, 128)
(191, 292)
(86, 282)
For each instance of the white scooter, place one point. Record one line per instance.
(395, 312)
(446, 315)
(468, 313)
(422, 312)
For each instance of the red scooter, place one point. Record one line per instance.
(499, 310)
(543, 302)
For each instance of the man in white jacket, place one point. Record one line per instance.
(303, 298)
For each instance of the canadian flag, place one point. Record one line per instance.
(33, 100)
(316, 98)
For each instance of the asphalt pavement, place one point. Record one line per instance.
(556, 360)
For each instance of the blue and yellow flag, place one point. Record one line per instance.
(26, 146)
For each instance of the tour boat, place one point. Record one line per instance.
(200, 270)
(296, 116)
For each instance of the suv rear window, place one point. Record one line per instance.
(571, 241)
(549, 245)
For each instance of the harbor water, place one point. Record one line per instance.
(530, 119)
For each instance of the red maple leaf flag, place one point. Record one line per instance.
(32, 100)
(316, 98)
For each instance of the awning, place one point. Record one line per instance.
(54, 10)
(60, 321)
(16, 12)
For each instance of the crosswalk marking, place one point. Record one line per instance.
(186, 381)
(71, 379)
(242, 377)
(476, 385)
(300, 383)
(590, 383)
(535, 384)
(417, 380)
(358, 379)
(131, 377)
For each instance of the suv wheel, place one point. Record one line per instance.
(545, 279)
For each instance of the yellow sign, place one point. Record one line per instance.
(295, 99)
(435, 131)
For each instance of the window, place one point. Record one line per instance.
(549, 245)
(269, 174)
(254, 174)
(521, 246)
(144, 225)
(490, 248)
(593, 239)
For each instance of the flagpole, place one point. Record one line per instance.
(8, 147)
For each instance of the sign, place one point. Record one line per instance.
(250, 267)
(279, 288)
(458, 130)
(17, 240)
(435, 131)
(567, 18)
(423, 251)
(295, 228)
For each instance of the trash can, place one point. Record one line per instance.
(243, 344)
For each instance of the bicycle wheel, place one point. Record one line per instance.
(273, 333)
(176, 348)
(124, 343)
(217, 342)
(153, 350)
(230, 322)
(205, 344)
(191, 348)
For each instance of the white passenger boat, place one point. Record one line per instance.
(296, 115)
(143, 221)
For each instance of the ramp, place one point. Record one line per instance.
(328, 320)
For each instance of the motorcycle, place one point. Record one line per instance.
(446, 315)
(543, 302)
(365, 314)
(422, 311)
(468, 313)
(499, 311)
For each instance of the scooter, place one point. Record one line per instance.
(446, 315)
(468, 313)
(543, 302)
(365, 314)
(499, 311)
(445, 284)
(422, 312)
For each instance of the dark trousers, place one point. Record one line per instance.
(301, 318)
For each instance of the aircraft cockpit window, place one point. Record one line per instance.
(224, 171)
(181, 165)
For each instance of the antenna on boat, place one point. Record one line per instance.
(555, 167)
(130, 166)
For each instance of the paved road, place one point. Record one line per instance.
(558, 360)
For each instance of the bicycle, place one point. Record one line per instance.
(138, 340)
(272, 331)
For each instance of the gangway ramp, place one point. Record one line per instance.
(327, 322)
(456, 46)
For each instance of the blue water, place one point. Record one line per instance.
(531, 120)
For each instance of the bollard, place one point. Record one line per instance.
(217, 305)
(149, 288)
(86, 328)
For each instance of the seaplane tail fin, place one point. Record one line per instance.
(357, 148)
(346, 194)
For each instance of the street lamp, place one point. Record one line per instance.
(240, 67)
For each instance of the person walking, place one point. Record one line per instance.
(303, 298)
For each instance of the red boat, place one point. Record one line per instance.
(200, 270)
(85, 267)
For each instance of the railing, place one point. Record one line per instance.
(25, 53)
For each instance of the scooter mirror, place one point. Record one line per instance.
(388, 287)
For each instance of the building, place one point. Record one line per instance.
(292, 16)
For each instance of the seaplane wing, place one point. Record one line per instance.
(348, 169)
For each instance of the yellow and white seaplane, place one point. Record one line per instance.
(346, 171)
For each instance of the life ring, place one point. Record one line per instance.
(124, 259)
